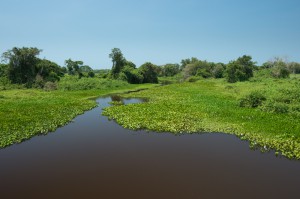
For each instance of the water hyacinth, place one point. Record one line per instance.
(29, 112)
(206, 106)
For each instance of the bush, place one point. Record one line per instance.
(275, 107)
(131, 75)
(253, 100)
(91, 74)
(240, 69)
(193, 79)
(148, 70)
(73, 83)
(50, 86)
(218, 71)
(203, 73)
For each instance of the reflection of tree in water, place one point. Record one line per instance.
(116, 98)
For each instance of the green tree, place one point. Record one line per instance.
(22, 64)
(91, 74)
(74, 67)
(218, 70)
(280, 69)
(294, 67)
(188, 61)
(48, 70)
(149, 72)
(170, 70)
(85, 69)
(247, 66)
(129, 63)
(4, 70)
(118, 61)
(131, 75)
(240, 69)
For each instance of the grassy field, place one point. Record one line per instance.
(28, 112)
(214, 106)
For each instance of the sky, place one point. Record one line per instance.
(157, 31)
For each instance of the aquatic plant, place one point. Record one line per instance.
(209, 106)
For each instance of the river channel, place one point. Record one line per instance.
(93, 157)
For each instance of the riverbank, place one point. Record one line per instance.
(214, 106)
(25, 113)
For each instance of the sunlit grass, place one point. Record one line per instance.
(28, 112)
(213, 106)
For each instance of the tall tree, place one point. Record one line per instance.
(74, 67)
(118, 61)
(22, 64)
(148, 70)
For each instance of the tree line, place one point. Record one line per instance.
(23, 66)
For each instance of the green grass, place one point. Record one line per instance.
(28, 112)
(213, 106)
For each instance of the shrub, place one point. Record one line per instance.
(240, 69)
(218, 71)
(131, 75)
(253, 100)
(91, 74)
(50, 86)
(203, 73)
(275, 107)
(73, 83)
(193, 79)
(148, 70)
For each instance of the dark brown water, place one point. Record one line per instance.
(96, 158)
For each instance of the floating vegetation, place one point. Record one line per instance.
(209, 106)
(28, 112)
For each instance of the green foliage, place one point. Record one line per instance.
(102, 73)
(131, 75)
(218, 71)
(171, 80)
(25, 113)
(22, 64)
(149, 72)
(74, 67)
(275, 107)
(253, 100)
(280, 70)
(188, 61)
(4, 70)
(91, 74)
(240, 69)
(49, 70)
(203, 72)
(294, 67)
(205, 69)
(85, 69)
(206, 106)
(118, 61)
(189, 70)
(129, 63)
(169, 70)
(50, 86)
(71, 83)
(193, 79)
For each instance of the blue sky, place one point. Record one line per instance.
(159, 31)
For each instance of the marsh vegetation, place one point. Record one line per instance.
(257, 103)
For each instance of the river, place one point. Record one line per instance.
(93, 157)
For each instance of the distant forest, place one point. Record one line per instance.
(23, 67)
